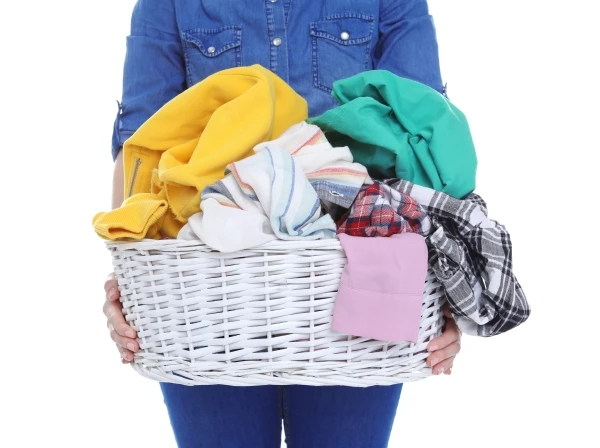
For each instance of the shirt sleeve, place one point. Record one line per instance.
(154, 69)
(407, 42)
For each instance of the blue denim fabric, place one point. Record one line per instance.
(173, 44)
(250, 417)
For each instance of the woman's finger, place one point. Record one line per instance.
(450, 335)
(114, 313)
(439, 356)
(443, 367)
(112, 293)
(111, 288)
(126, 355)
(123, 342)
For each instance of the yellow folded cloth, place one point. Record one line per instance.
(193, 137)
(140, 216)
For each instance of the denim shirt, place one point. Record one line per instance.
(174, 44)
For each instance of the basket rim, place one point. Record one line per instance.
(175, 244)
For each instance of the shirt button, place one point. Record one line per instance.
(344, 36)
(211, 50)
(277, 41)
(273, 1)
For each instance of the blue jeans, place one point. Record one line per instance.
(250, 417)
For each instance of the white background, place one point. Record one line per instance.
(523, 71)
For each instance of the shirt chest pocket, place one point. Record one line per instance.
(341, 47)
(208, 51)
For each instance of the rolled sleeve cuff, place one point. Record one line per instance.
(119, 135)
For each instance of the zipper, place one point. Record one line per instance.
(136, 167)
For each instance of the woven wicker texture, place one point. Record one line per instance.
(255, 317)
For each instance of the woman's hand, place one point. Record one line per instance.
(445, 347)
(121, 333)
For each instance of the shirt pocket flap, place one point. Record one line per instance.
(347, 30)
(213, 42)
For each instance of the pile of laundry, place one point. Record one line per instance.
(235, 162)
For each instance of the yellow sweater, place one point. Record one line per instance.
(186, 145)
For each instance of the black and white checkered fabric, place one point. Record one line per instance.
(471, 255)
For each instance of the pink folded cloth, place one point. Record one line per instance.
(381, 290)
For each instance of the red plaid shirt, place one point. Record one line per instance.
(379, 210)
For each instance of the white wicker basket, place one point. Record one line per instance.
(255, 317)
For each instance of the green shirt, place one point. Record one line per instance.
(401, 128)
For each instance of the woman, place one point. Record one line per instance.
(309, 44)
